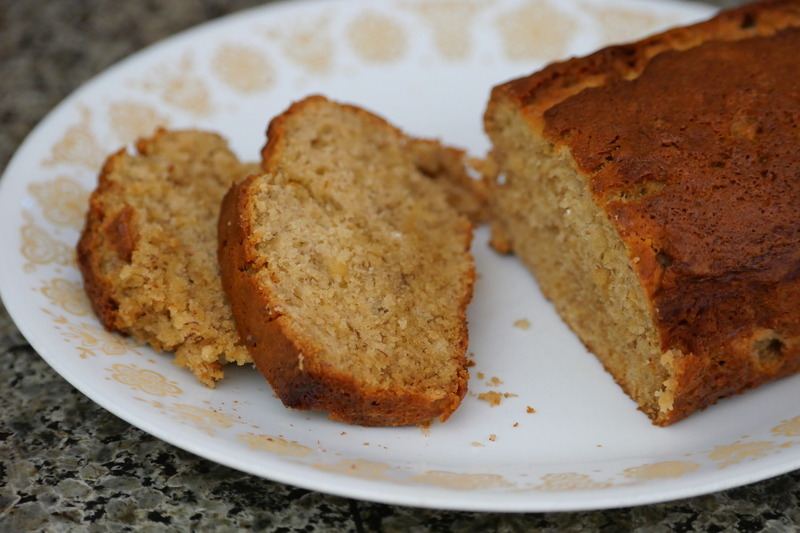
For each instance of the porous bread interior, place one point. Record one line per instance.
(360, 251)
(450, 169)
(169, 294)
(579, 259)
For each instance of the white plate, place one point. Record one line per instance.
(426, 66)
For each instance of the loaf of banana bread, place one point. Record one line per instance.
(653, 188)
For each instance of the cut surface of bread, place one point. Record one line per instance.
(148, 250)
(449, 168)
(653, 190)
(348, 272)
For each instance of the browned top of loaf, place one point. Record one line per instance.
(696, 162)
(689, 141)
(542, 90)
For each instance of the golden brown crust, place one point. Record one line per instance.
(89, 248)
(687, 142)
(542, 90)
(292, 359)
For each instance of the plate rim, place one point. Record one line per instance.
(412, 495)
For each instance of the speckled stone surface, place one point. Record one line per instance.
(68, 465)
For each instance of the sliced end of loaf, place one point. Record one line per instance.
(578, 258)
(673, 268)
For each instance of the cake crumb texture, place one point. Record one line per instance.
(148, 249)
(348, 271)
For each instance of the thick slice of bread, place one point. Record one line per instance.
(148, 249)
(653, 190)
(348, 272)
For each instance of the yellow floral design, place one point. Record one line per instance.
(39, 248)
(144, 380)
(356, 468)
(665, 469)
(451, 23)
(621, 25)
(92, 339)
(788, 428)
(95, 337)
(132, 120)
(154, 403)
(206, 419)
(78, 145)
(63, 201)
(377, 38)
(569, 481)
(243, 69)
(535, 30)
(67, 295)
(273, 444)
(178, 84)
(307, 43)
(742, 451)
(458, 481)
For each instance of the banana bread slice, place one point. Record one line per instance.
(653, 190)
(348, 272)
(148, 249)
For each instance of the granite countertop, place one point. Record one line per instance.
(67, 464)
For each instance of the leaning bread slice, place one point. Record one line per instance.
(348, 272)
(148, 249)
